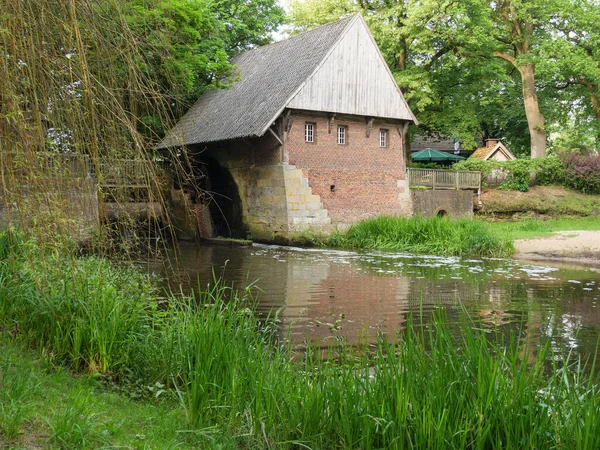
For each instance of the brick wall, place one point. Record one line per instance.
(358, 179)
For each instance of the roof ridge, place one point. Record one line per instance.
(269, 77)
(295, 36)
(333, 45)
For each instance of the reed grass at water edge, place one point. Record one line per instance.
(236, 386)
(434, 236)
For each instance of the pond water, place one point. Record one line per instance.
(328, 295)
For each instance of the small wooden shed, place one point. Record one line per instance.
(494, 149)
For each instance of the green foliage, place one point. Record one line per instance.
(436, 236)
(518, 173)
(550, 172)
(459, 67)
(87, 309)
(239, 388)
(485, 167)
(105, 76)
(187, 44)
(431, 165)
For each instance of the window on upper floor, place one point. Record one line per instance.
(342, 135)
(383, 138)
(309, 132)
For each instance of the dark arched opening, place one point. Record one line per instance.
(221, 191)
(442, 213)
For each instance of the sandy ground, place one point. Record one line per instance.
(577, 247)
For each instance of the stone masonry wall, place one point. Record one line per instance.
(276, 198)
(454, 203)
(356, 180)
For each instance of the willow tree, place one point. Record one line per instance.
(105, 78)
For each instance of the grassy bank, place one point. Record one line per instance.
(218, 379)
(434, 236)
(528, 229)
(539, 201)
(446, 237)
(45, 406)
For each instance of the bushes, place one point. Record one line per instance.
(518, 174)
(549, 171)
(582, 172)
(571, 170)
(546, 171)
(485, 167)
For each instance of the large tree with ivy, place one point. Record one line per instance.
(477, 67)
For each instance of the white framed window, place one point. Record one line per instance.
(342, 135)
(309, 132)
(383, 138)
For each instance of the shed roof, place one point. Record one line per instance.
(270, 76)
(485, 153)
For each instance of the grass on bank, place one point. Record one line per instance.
(443, 236)
(45, 406)
(528, 229)
(224, 382)
(543, 201)
(434, 236)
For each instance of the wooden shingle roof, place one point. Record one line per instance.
(485, 153)
(274, 75)
(270, 75)
(481, 153)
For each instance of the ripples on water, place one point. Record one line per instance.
(329, 295)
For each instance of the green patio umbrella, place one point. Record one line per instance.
(431, 155)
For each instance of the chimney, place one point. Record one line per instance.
(491, 143)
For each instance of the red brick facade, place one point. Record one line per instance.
(356, 180)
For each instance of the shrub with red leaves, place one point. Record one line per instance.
(582, 172)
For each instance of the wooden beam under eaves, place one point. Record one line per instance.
(275, 135)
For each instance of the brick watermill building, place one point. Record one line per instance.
(311, 136)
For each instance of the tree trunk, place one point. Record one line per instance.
(535, 119)
(595, 96)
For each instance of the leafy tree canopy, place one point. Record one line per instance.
(94, 75)
(520, 70)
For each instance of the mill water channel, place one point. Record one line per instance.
(326, 296)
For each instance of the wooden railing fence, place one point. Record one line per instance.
(444, 179)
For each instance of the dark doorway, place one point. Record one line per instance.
(221, 191)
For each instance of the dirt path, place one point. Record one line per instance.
(579, 247)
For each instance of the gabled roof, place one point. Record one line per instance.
(485, 153)
(270, 77)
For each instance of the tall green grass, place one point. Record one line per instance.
(237, 385)
(435, 236)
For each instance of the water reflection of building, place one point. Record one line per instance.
(328, 295)
(332, 300)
